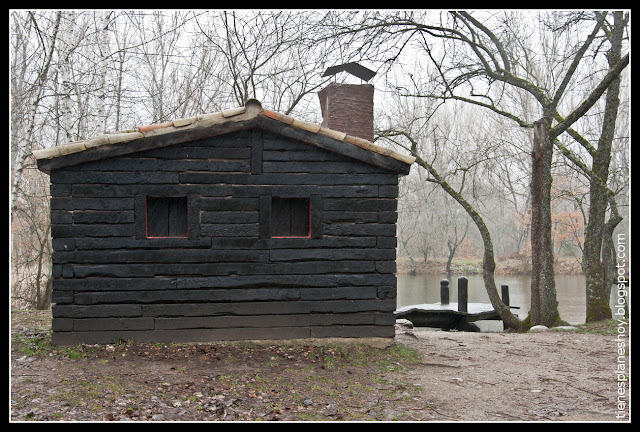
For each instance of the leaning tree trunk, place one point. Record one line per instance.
(544, 305)
(488, 260)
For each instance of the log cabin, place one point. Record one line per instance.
(244, 224)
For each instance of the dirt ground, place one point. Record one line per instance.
(422, 376)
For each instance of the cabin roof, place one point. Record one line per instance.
(251, 115)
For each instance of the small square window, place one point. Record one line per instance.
(290, 217)
(166, 217)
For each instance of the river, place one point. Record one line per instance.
(570, 290)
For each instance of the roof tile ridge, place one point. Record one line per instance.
(338, 135)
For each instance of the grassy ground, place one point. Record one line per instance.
(215, 381)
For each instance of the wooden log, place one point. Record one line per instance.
(353, 204)
(230, 230)
(159, 255)
(113, 204)
(116, 177)
(291, 281)
(188, 296)
(303, 155)
(265, 307)
(231, 217)
(297, 191)
(142, 243)
(285, 179)
(388, 191)
(242, 268)
(222, 161)
(229, 204)
(101, 324)
(353, 331)
(101, 217)
(293, 320)
(61, 217)
(317, 167)
(92, 230)
(331, 254)
(386, 266)
(386, 242)
(338, 293)
(96, 311)
(351, 229)
(114, 284)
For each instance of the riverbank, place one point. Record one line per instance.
(504, 266)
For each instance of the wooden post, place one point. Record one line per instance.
(505, 294)
(444, 291)
(505, 299)
(463, 295)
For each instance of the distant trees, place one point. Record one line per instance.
(33, 47)
(78, 74)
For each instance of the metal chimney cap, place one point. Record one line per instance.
(353, 68)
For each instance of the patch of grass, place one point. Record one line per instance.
(79, 392)
(77, 351)
(38, 345)
(604, 327)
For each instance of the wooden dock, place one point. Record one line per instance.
(449, 316)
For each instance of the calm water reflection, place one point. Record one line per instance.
(426, 289)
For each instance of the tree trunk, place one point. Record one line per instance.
(598, 234)
(66, 86)
(24, 150)
(544, 305)
(104, 58)
(43, 279)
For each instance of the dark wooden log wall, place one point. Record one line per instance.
(227, 280)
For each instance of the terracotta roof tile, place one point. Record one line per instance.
(184, 122)
(151, 127)
(360, 142)
(340, 136)
(251, 109)
(73, 147)
(233, 111)
(311, 127)
(278, 116)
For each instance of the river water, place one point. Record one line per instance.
(570, 292)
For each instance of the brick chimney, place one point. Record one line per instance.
(348, 108)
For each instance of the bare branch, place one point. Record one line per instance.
(592, 98)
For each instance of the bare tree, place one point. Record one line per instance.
(485, 59)
(32, 251)
(270, 56)
(23, 149)
(76, 74)
(434, 145)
